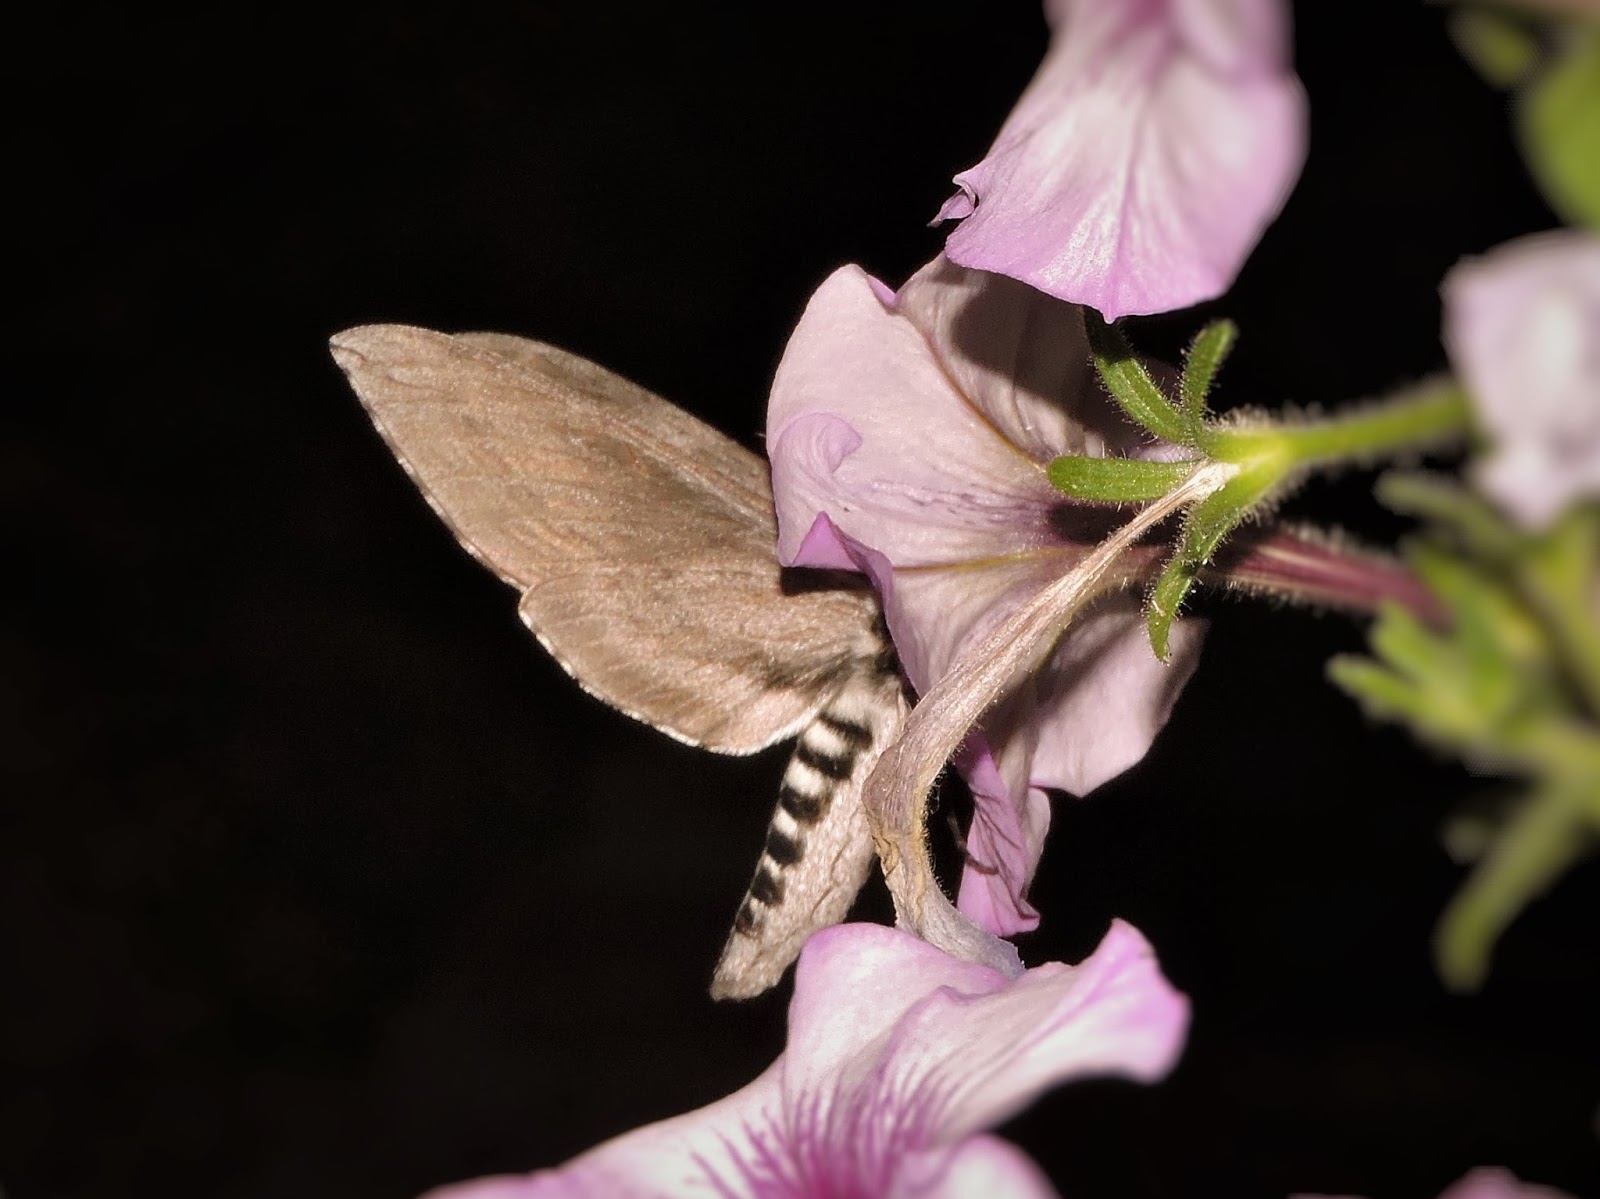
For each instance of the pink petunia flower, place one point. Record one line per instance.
(909, 435)
(899, 1057)
(1141, 165)
(1522, 326)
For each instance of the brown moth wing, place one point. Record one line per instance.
(641, 537)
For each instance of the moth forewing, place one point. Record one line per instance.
(642, 540)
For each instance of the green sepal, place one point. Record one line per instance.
(1207, 352)
(1208, 522)
(1131, 385)
(1559, 123)
(1116, 480)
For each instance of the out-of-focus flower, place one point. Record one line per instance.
(909, 435)
(1139, 168)
(1522, 326)
(1487, 1182)
(899, 1057)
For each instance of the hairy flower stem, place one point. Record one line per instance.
(1433, 412)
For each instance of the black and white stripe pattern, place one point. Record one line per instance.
(819, 845)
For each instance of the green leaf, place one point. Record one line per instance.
(1206, 355)
(1383, 694)
(1544, 837)
(1559, 120)
(1131, 385)
(1116, 480)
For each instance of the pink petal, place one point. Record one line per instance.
(993, 1053)
(982, 1165)
(864, 424)
(1003, 846)
(854, 983)
(1522, 325)
(1103, 696)
(1141, 165)
(897, 1054)
(1019, 357)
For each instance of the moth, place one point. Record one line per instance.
(643, 542)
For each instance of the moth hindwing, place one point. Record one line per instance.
(642, 542)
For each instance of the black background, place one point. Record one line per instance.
(320, 879)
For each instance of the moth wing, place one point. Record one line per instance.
(642, 538)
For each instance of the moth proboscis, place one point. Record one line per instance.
(642, 541)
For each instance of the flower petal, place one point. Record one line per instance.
(985, 1054)
(1019, 357)
(982, 1165)
(1103, 695)
(854, 983)
(1003, 845)
(1142, 163)
(864, 424)
(1522, 325)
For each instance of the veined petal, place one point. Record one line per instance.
(972, 1048)
(987, 1054)
(1522, 326)
(1141, 165)
(898, 1054)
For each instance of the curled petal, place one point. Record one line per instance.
(1144, 160)
(972, 1047)
(865, 424)
(1003, 845)
(1522, 325)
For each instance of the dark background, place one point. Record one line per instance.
(320, 879)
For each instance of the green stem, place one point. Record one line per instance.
(1435, 412)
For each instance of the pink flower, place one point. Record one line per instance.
(1139, 168)
(1488, 1182)
(898, 1058)
(909, 436)
(1522, 325)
